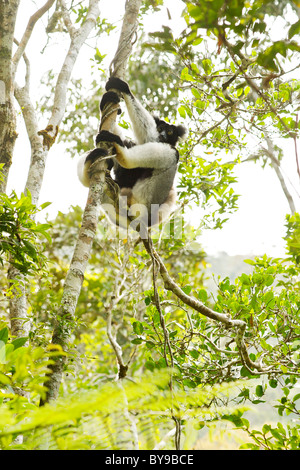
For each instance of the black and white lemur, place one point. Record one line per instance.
(144, 171)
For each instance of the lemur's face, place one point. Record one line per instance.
(168, 133)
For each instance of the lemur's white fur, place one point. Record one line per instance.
(150, 155)
(143, 124)
(82, 170)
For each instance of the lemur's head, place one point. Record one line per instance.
(168, 133)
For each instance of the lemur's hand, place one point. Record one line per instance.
(118, 84)
(106, 136)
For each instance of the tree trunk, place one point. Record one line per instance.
(75, 276)
(8, 134)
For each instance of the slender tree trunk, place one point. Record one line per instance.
(8, 134)
(75, 275)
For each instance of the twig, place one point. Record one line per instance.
(242, 67)
(275, 164)
(28, 31)
(167, 343)
(67, 20)
(296, 149)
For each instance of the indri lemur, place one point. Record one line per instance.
(145, 170)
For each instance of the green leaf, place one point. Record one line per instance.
(259, 391)
(269, 299)
(269, 280)
(19, 342)
(273, 383)
(202, 295)
(249, 261)
(138, 327)
(194, 353)
(187, 289)
(189, 383)
(266, 428)
(137, 341)
(4, 335)
(294, 29)
(30, 248)
(245, 279)
(4, 379)
(182, 112)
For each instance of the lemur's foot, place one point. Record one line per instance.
(109, 97)
(95, 155)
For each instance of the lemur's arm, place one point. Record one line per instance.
(143, 123)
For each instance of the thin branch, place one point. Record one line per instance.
(114, 300)
(77, 41)
(28, 31)
(167, 343)
(276, 165)
(216, 348)
(242, 67)
(296, 148)
(67, 19)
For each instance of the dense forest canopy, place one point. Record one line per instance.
(109, 341)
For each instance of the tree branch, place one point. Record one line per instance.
(276, 165)
(129, 28)
(27, 34)
(243, 67)
(77, 39)
(207, 312)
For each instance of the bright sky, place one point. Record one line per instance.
(258, 225)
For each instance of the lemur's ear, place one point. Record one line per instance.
(182, 132)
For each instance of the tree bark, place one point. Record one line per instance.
(8, 134)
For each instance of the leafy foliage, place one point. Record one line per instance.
(81, 421)
(293, 236)
(19, 233)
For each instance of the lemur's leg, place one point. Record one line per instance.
(127, 192)
(143, 123)
(85, 162)
(154, 155)
(166, 208)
